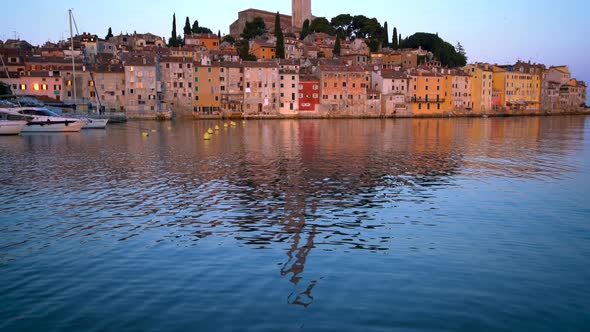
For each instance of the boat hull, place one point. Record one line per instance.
(57, 126)
(11, 127)
(95, 123)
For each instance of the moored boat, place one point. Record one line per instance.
(43, 120)
(11, 127)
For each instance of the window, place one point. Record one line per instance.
(196, 88)
(180, 66)
(209, 69)
(292, 96)
(315, 95)
(301, 95)
(315, 86)
(167, 65)
(44, 86)
(196, 79)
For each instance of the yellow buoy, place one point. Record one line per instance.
(225, 125)
(210, 131)
(153, 130)
(216, 127)
(206, 136)
(144, 134)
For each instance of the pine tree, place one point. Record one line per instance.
(394, 40)
(109, 34)
(386, 37)
(336, 51)
(195, 26)
(173, 42)
(187, 27)
(280, 38)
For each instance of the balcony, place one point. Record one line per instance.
(428, 99)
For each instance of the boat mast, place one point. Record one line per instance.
(72, 53)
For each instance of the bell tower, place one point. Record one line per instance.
(301, 12)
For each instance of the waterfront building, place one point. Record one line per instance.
(344, 89)
(481, 86)
(289, 91)
(519, 86)
(177, 84)
(231, 86)
(394, 88)
(261, 87)
(142, 83)
(430, 94)
(110, 84)
(308, 94)
(207, 89)
(461, 92)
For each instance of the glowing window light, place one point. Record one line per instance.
(36, 86)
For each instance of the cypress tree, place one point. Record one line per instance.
(109, 34)
(187, 27)
(195, 26)
(399, 43)
(386, 37)
(219, 34)
(394, 40)
(336, 51)
(304, 30)
(280, 38)
(173, 42)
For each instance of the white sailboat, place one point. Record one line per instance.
(91, 122)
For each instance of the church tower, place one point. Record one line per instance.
(301, 12)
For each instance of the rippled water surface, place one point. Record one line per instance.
(344, 225)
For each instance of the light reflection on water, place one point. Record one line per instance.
(418, 209)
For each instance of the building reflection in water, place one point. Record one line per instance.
(299, 185)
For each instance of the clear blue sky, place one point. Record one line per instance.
(501, 31)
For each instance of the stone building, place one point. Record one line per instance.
(177, 84)
(301, 11)
(236, 28)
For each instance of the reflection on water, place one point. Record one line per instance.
(325, 189)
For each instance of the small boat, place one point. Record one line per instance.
(92, 123)
(43, 120)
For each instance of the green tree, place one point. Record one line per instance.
(195, 26)
(254, 28)
(304, 30)
(173, 42)
(229, 39)
(219, 34)
(109, 34)
(442, 50)
(394, 40)
(342, 24)
(280, 38)
(321, 24)
(385, 40)
(336, 50)
(244, 51)
(187, 27)
(400, 41)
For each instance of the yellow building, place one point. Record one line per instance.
(428, 92)
(519, 86)
(263, 50)
(207, 90)
(481, 86)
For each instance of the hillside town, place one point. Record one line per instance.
(319, 75)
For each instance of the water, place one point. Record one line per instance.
(346, 225)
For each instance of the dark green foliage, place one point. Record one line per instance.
(385, 40)
(229, 39)
(5, 89)
(254, 28)
(280, 38)
(321, 24)
(174, 41)
(187, 27)
(373, 44)
(219, 34)
(442, 50)
(197, 29)
(337, 46)
(343, 25)
(109, 34)
(304, 30)
(394, 40)
(244, 51)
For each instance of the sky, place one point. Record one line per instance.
(502, 31)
